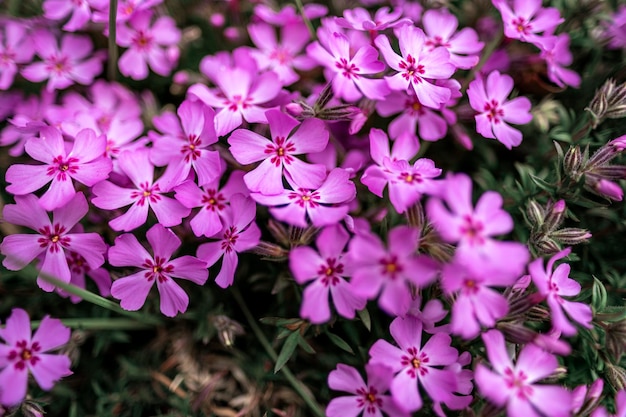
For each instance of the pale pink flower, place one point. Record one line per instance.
(22, 354)
(16, 47)
(288, 14)
(417, 66)
(86, 163)
(360, 19)
(133, 290)
(555, 52)
(528, 20)
(78, 10)
(126, 9)
(72, 62)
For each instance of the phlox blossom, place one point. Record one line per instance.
(489, 98)
(326, 269)
(133, 290)
(21, 354)
(620, 405)
(15, 48)
(555, 52)
(86, 163)
(514, 385)
(360, 19)
(78, 10)
(528, 20)
(53, 240)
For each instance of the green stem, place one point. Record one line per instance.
(297, 385)
(307, 22)
(99, 324)
(92, 298)
(488, 51)
(112, 69)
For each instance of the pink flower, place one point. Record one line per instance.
(327, 270)
(85, 163)
(514, 385)
(79, 268)
(553, 285)
(146, 193)
(368, 398)
(414, 364)
(440, 27)
(389, 271)
(345, 70)
(278, 154)
(52, 240)
(324, 206)
(15, 48)
(417, 66)
(620, 405)
(288, 14)
(472, 228)
(283, 57)
(557, 55)
(239, 233)
(490, 100)
(79, 10)
(22, 353)
(240, 95)
(73, 63)
(191, 137)
(147, 45)
(360, 19)
(212, 200)
(133, 290)
(126, 9)
(616, 30)
(528, 19)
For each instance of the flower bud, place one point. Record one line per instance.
(344, 112)
(619, 143)
(535, 213)
(516, 332)
(601, 157)
(616, 338)
(616, 376)
(554, 218)
(571, 236)
(227, 329)
(547, 246)
(608, 102)
(611, 172)
(30, 408)
(296, 109)
(572, 161)
(609, 189)
(271, 251)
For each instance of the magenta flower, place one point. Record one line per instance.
(126, 9)
(73, 62)
(212, 200)
(528, 19)
(557, 55)
(417, 66)
(345, 70)
(514, 385)
(553, 285)
(472, 228)
(21, 354)
(240, 95)
(368, 398)
(440, 28)
(324, 206)
(615, 31)
(360, 19)
(413, 115)
(80, 11)
(133, 290)
(389, 271)
(79, 268)
(52, 240)
(239, 233)
(15, 48)
(476, 303)
(283, 57)
(278, 154)
(620, 407)
(490, 100)
(85, 163)
(147, 44)
(191, 136)
(288, 14)
(146, 194)
(327, 270)
(414, 364)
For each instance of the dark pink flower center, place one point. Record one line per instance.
(62, 168)
(191, 149)
(305, 198)
(280, 151)
(58, 65)
(369, 399)
(414, 107)
(77, 263)
(436, 41)
(472, 230)
(411, 177)
(143, 41)
(24, 354)
(348, 69)
(146, 192)
(157, 269)
(391, 267)
(517, 382)
(415, 361)
(7, 57)
(330, 272)
(237, 101)
(470, 286)
(53, 238)
(213, 200)
(230, 239)
(521, 25)
(494, 111)
(412, 71)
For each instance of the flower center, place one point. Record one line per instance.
(348, 69)
(412, 72)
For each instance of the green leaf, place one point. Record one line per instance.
(612, 314)
(541, 183)
(598, 295)
(287, 351)
(364, 315)
(305, 345)
(339, 342)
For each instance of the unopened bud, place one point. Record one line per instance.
(572, 161)
(30, 408)
(415, 216)
(601, 157)
(611, 172)
(325, 96)
(616, 339)
(271, 251)
(299, 110)
(608, 102)
(227, 329)
(616, 376)
(516, 333)
(344, 112)
(555, 216)
(278, 231)
(619, 143)
(535, 213)
(609, 190)
(590, 398)
(547, 246)
(571, 236)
